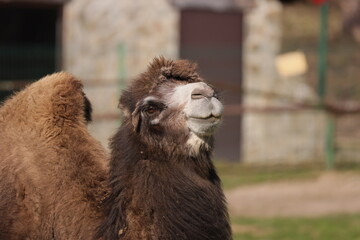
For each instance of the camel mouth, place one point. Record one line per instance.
(209, 118)
(205, 123)
(203, 126)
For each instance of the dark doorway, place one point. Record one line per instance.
(214, 41)
(28, 44)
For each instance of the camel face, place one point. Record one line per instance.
(200, 106)
(172, 107)
(176, 113)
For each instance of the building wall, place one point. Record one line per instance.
(108, 42)
(275, 136)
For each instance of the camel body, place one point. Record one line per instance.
(57, 182)
(53, 174)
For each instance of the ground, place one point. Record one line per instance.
(330, 193)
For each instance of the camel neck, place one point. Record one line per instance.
(163, 198)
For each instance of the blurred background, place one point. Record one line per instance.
(288, 150)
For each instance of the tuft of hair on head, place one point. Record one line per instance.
(160, 70)
(181, 70)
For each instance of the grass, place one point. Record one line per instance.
(340, 227)
(234, 175)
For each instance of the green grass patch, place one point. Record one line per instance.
(234, 175)
(341, 227)
(347, 166)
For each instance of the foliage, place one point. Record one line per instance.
(322, 228)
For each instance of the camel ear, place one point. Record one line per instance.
(87, 110)
(136, 118)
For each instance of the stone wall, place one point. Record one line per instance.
(108, 42)
(275, 136)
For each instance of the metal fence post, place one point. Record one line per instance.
(322, 69)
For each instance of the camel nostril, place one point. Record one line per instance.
(195, 96)
(199, 93)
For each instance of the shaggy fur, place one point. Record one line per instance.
(52, 172)
(159, 190)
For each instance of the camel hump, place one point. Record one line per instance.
(52, 170)
(60, 95)
(53, 102)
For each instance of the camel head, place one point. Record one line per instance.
(170, 104)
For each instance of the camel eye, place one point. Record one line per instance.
(151, 110)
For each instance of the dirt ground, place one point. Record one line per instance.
(331, 193)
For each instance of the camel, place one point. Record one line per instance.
(53, 173)
(163, 184)
(57, 182)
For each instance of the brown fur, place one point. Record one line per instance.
(159, 191)
(52, 172)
